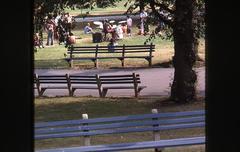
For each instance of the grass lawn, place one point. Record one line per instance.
(53, 56)
(66, 108)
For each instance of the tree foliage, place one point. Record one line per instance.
(184, 23)
(44, 8)
(164, 11)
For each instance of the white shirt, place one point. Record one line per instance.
(143, 15)
(119, 32)
(129, 22)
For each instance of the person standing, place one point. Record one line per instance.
(105, 30)
(129, 25)
(143, 18)
(119, 32)
(50, 32)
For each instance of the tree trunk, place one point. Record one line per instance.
(183, 88)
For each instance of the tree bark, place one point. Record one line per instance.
(183, 88)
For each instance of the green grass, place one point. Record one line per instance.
(67, 108)
(53, 56)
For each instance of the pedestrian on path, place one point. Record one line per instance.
(143, 18)
(129, 25)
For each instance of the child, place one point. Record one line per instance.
(71, 39)
(37, 41)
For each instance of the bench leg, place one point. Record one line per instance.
(96, 63)
(123, 64)
(138, 91)
(71, 63)
(149, 61)
(104, 92)
(157, 150)
(42, 91)
(72, 92)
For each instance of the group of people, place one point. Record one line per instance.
(57, 28)
(117, 30)
(125, 27)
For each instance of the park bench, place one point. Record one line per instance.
(44, 82)
(129, 81)
(156, 122)
(84, 82)
(95, 53)
(101, 83)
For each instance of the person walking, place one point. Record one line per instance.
(129, 25)
(143, 18)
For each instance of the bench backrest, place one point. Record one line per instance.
(122, 124)
(51, 79)
(81, 79)
(122, 50)
(127, 79)
(70, 80)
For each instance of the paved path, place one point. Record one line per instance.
(101, 18)
(157, 81)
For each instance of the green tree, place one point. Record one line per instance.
(184, 22)
(44, 8)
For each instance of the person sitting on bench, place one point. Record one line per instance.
(71, 39)
(88, 29)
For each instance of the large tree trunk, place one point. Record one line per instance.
(183, 88)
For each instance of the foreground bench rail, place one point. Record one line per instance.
(154, 122)
(95, 53)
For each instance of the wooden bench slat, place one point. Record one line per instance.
(113, 76)
(119, 124)
(54, 87)
(82, 76)
(134, 145)
(120, 130)
(82, 79)
(120, 118)
(50, 76)
(147, 49)
(118, 79)
(84, 87)
(116, 52)
(52, 82)
(118, 46)
(119, 82)
(82, 82)
(120, 87)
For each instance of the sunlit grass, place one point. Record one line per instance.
(53, 56)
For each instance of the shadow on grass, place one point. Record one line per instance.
(51, 63)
